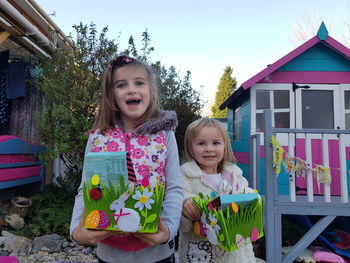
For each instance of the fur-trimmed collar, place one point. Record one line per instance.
(167, 120)
(191, 169)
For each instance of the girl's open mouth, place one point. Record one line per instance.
(133, 102)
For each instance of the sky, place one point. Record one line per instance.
(205, 36)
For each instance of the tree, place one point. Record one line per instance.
(177, 94)
(71, 84)
(226, 86)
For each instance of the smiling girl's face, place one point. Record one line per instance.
(132, 94)
(208, 149)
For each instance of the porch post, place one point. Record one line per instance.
(269, 190)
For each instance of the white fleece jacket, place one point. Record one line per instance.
(193, 248)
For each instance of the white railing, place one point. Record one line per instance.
(327, 206)
(324, 136)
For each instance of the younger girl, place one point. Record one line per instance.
(130, 119)
(210, 167)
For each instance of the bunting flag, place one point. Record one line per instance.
(131, 172)
(277, 155)
(301, 167)
(323, 175)
(296, 165)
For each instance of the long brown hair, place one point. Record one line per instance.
(108, 113)
(192, 131)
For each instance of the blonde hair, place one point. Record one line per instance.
(108, 113)
(192, 132)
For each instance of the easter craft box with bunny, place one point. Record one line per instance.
(113, 201)
(230, 221)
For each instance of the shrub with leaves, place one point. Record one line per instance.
(71, 84)
(50, 213)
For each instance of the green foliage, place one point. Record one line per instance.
(71, 84)
(177, 94)
(50, 213)
(226, 86)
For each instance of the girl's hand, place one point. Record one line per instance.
(89, 237)
(153, 239)
(190, 210)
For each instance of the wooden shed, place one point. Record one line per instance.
(25, 31)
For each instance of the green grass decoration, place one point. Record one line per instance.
(234, 224)
(112, 191)
(107, 182)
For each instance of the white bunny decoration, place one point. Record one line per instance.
(126, 219)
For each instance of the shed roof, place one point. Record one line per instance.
(321, 37)
(24, 24)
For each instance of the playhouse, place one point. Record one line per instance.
(289, 126)
(309, 88)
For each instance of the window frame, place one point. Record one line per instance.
(271, 88)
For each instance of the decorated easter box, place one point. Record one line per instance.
(113, 201)
(230, 221)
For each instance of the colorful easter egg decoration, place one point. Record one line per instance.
(234, 207)
(104, 220)
(254, 235)
(240, 241)
(202, 230)
(214, 204)
(95, 193)
(95, 180)
(93, 219)
(196, 228)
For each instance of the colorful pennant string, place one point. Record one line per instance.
(297, 166)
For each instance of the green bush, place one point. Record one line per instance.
(50, 213)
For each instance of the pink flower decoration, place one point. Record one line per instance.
(143, 170)
(96, 149)
(142, 140)
(154, 158)
(116, 133)
(137, 153)
(112, 146)
(160, 139)
(159, 170)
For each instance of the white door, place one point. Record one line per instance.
(317, 107)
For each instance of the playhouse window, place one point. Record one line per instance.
(237, 124)
(262, 100)
(278, 102)
(347, 109)
(317, 109)
(281, 99)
